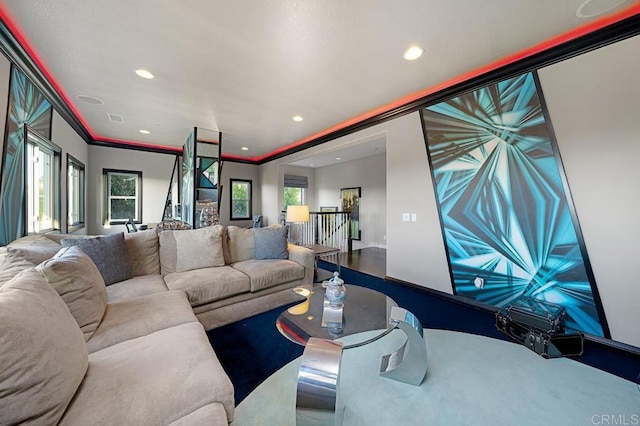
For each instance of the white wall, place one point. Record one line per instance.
(71, 143)
(156, 174)
(594, 104)
(415, 250)
(369, 174)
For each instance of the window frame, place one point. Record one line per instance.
(74, 163)
(106, 174)
(35, 139)
(303, 196)
(249, 201)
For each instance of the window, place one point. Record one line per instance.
(42, 181)
(123, 190)
(75, 194)
(240, 199)
(294, 190)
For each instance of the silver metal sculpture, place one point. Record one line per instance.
(409, 363)
(318, 383)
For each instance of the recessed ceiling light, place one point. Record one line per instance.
(144, 73)
(591, 8)
(90, 100)
(338, 158)
(311, 165)
(297, 118)
(144, 132)
(244, 148)
(413, 53)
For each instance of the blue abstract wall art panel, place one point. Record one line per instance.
(27, 105)
(506, 218)
(188, 179)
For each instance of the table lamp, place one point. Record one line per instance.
(297, 214)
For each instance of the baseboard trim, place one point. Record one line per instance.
(600, 341)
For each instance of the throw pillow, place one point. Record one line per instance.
(191, 249)
(35, 248)
(11, 265)
(43, 357)
(109, 253)
(75, 277)
(241, 243)
(143, 252)
(271, 243)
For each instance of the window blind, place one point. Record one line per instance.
(293, 181)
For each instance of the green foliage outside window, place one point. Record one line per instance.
(292, 196)
(240, 199)
(123, 185)
(124, 191)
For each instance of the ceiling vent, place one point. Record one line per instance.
(91, 100)
(116, 118)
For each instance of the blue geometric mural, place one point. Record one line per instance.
(506, 218)
(27, 105)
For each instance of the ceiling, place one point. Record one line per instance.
(247, 67)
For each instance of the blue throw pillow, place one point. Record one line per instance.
(271, 243)
(108, 252)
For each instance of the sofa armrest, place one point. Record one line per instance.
(304, 257)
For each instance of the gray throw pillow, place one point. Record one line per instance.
(109, 253)
(271, 243)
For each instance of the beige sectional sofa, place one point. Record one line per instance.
(134, 352)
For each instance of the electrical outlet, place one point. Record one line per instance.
(414, 217)
(406, 217)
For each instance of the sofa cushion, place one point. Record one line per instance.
(43, 357)
(77, 280)
(11, 265)
(210, 415)
(35, 248)
(152, 380)
(271, 243)
(191, 249)
(108, 252)
(241, 244)
(143, 252)
(57, 238)
(208, 284)
(267, 273)
(136, 287)
(129, 319)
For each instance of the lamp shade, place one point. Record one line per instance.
(297, 213)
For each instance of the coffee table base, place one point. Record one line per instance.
(318, 383)
(408, 364)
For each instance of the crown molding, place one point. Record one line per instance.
(14, 51)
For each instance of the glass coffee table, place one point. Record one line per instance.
(363, 310)
(316, 325)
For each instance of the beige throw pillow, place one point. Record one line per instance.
(43, 357)
(77, 280)
(241, 243)
(191, 249)
(143, 252)
(11, 265)
(35, 248)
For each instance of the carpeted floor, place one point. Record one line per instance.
(251, 350)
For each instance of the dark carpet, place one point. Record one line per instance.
(252, 349)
